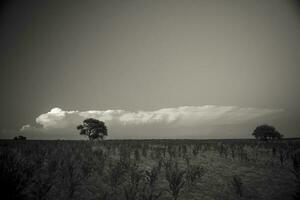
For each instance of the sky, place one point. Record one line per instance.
(149, 68)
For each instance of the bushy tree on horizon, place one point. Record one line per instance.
(93, 128)
(266, 132)
(20, 137)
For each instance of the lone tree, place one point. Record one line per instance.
(93, 128)
(20, 137)
(266, 133)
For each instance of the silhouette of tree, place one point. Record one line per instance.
(266, 132)
(93, 128)
(20, 137)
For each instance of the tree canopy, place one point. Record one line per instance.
(20, 137)
(266, 132)
(93, 128)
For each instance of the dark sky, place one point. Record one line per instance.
(149, 55)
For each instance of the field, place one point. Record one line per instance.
(150, 169)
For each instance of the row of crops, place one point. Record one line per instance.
(149, 170)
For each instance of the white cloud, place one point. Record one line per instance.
(25, 127)
(180, 116)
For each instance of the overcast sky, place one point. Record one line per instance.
(150, 69)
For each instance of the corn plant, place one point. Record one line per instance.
(196, 150)
(151, 176)
(150, 191)
(282, 156)
(115, 176)
(72, 172)
(232, 150)
(175, 178)
(296, 172)
(145, 151)
(15, 174)
(172, 152)
(237, 185)
(193, 173)
(160, 164)
(44, 179)
(131, 187)
(137, 156)
(125, 160)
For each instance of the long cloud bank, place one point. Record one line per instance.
(185, 116)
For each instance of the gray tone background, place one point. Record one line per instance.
(148, 55)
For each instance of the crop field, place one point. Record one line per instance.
(150, 169)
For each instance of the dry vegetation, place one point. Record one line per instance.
(150, 169)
